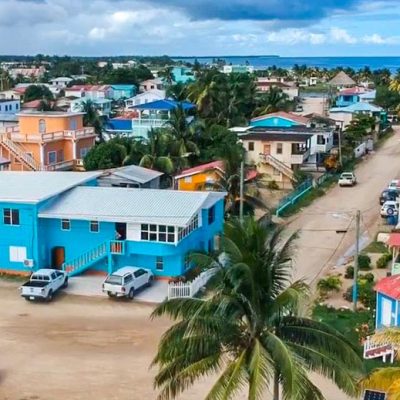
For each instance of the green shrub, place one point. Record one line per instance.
(383, 261)
(369, 277)
(364, 262)
(329, 284)
(366, 294)
(349, 272)
(272, 185)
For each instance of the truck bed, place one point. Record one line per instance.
(37, 284)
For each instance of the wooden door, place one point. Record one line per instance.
(267, 148)
(58, 257)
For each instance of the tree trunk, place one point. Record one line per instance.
(276, 386)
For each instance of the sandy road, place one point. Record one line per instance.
(80, 348)
(320, 246)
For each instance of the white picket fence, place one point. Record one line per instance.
(189, 289)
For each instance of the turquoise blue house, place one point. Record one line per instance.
(65, 220)
(182, 74)
(388, 302)
(350, 96)
(123, 91)
(279, 119)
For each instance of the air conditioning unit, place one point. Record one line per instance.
(28, 263)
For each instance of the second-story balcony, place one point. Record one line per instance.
(141, 126)
(300, 153)
(16, 136)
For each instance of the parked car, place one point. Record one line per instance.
(388, 194)
(126, 281)
(394, 184)
(43, 284)
(347, 179)
(389, 208)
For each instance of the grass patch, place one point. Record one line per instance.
(13, 277)
(318, 88)
(346, 322)
(375, 247)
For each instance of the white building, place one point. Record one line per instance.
(146, 97)
(61, 82)
(151, 84)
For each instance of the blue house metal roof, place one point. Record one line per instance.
(357, 107)
(165, 105)
(123, 87)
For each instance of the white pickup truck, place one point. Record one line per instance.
(43, 284)
(126, 281)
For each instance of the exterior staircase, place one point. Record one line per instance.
(279, 165)
(18, 152)
(86, 260)
(381, 350)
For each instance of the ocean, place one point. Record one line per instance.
(260, 62)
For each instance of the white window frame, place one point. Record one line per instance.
(48, 157)
(386, 312)
(159, 261)
(17, 253)
(187, 179)
(12, 222)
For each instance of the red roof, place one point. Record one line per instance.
(285, 115)
(353, 90)
(394, 240)
(201, 168)
(389, 286)
(219, 165)
(20, 90)
(89, 88)
(32, 104)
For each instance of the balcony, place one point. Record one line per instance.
(16, 136)
(141, 126)
(299, 154)
(65, 166)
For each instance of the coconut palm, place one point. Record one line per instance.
(250, 333)
(92, 118)
(271, 101)
(167, 74)
(157, 156)
(183, 135)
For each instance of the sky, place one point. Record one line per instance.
(201, 27)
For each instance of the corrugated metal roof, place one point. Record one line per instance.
(357, 107)
(284, 115)
(137, 173)
(33, 187)
(166, 207)
(165, 105)
(389, 286)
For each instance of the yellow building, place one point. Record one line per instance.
(196, 178)
(49, 140)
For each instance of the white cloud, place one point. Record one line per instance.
(378, 39)
(342, 36)
(292, 36)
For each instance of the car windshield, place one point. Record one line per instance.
(39, 278)
(346, 176)
(114, 280)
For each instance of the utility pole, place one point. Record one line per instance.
(340, 143)
(355, 285)
(241, 191)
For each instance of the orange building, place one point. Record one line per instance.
(48, 140)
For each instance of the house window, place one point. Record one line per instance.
(251, 146)
(17, 254)
(11, 216)
(94, 226)
(51, 157)
(279, 147)
(321, 139)
(83, 152)
(42, 126)
(211, 215)
(73, 124)
(184, 231)
(17, 106)
(65, 225)
(60, 155)
(160, 233)
(159, 263)
(188, 179)
(6, 107)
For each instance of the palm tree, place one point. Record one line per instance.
(250, 329)
(167, 74)
(178, 92)
(395, 82)
(183, 135)
(271, 101)
(92, 118)
(156, 156)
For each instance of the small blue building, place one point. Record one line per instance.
(123, 91)
(182, 74)
(65, 220)
(388, 302)
(279, 119)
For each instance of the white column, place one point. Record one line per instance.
(74, 144)
(42, 153)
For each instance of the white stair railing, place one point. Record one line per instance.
(378, 350)
(279, 165)
(18, 152)
(189, 289)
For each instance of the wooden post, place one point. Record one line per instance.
(355, 284)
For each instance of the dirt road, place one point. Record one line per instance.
(320, 246)
(80, 347)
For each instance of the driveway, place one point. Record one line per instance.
(321, 244)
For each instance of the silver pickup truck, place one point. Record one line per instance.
(43, 284)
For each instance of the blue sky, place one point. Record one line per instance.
(201, 27)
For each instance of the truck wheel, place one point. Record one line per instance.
(110, 294)
(49, 296)
(27, 298)
(131, 294)
(65, 285)
(150, 281)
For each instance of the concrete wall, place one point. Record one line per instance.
(30, 124)
(380, 317)
(253, 157)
